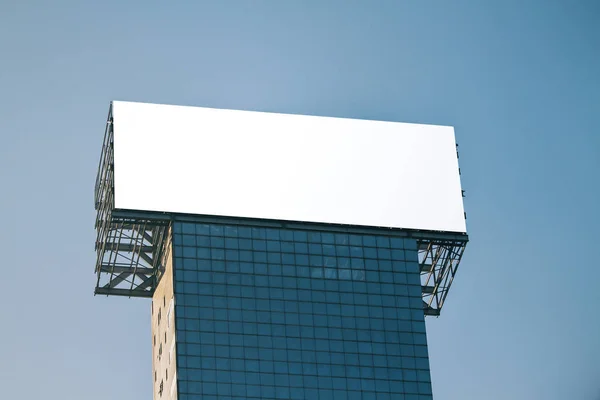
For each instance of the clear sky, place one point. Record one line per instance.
(518, 80)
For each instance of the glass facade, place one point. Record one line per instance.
(275, 313)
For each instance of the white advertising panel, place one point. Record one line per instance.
(286, 167)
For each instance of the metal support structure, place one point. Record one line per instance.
(131, 245)
(130, 251)
(438, 261)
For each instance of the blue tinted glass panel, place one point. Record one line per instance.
(274, 313)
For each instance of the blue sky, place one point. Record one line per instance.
(518, 80)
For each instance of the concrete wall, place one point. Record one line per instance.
(163, 334)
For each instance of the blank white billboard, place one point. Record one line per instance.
(286, 167)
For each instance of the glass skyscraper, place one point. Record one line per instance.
(248, 306)
(297, 313)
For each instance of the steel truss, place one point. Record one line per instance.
(130, 251)
(438, 261)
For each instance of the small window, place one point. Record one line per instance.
(169, 313)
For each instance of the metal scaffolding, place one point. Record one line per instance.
(130, 251)
(438, 262)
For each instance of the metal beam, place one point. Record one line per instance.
(117, 280)
(426, 267)
(123, 292)
(149, 281)
(428, 289)
(126, 247)
(117, 269)
(146, 258)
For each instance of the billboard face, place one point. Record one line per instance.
(286, 167)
